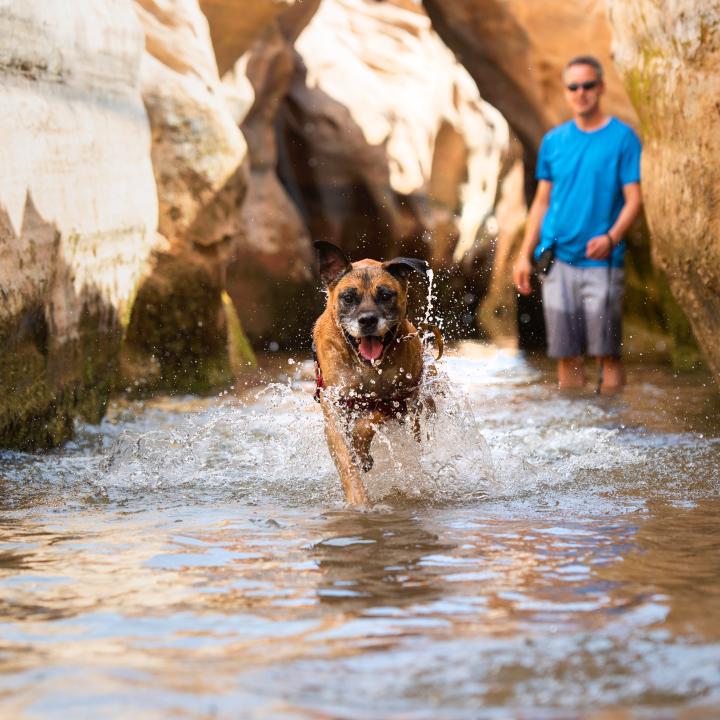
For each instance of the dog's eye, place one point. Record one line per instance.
(348, 297)
(384, 295)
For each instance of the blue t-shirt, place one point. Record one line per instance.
(588, 171)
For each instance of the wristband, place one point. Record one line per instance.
(610, 238)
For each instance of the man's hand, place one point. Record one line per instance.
(599, 247)
(521, 274)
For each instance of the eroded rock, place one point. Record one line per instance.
(78, 209)
(390, 148)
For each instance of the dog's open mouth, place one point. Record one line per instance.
(370, 348)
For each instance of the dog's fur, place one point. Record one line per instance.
(369, 356)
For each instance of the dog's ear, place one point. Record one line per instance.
(332, 261)
(401, 267)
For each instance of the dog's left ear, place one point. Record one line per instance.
(401, 267)
(332, 261)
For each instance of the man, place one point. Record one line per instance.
(588, 195)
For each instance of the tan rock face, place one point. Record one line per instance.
(516, 50)
(199, 159)
(669, 57)
(78, 208)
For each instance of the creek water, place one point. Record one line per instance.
(540, 556)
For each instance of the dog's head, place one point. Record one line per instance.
(367, 298)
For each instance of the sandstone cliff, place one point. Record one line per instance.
(669, 57)
(270, 278)
(78, 209)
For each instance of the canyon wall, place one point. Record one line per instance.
(669, 58)
(78, 209)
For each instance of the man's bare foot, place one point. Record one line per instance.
(571, 373)
(613, 374)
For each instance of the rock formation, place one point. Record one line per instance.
(199, 159)
(78, 209)
(669, 57)
(270, 278)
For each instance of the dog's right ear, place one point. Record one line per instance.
(332, 261)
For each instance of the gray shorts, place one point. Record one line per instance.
(580, 318)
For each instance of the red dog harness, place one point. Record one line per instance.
(389, 407)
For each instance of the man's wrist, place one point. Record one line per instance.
(611, 239)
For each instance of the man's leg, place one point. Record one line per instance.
(613, 373)
(571, 373)
(603, 292)
(564, 323)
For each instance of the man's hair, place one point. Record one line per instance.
(593, 62)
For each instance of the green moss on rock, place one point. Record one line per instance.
(44, 385)
(178, 324)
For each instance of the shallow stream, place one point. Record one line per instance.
(543, 556)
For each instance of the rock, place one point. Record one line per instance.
(78, 209)
(270, 280)
(668, 57)
(235, 25)
(199, 159)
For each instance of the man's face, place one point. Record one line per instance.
(583, 102)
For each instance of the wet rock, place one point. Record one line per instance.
(669, 58)
(78, 210)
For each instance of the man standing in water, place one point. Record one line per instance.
(588, 195)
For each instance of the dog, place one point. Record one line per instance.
(368, 356)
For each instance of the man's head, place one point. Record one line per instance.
(583, 78)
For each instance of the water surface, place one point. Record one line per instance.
(549, 556)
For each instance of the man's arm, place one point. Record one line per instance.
(523, 265)
(601, 246)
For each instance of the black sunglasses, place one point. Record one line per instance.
(589, 85)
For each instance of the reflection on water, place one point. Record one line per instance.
(193, 559)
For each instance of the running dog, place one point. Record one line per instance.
(368, 356)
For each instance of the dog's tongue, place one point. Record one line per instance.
(370, 347)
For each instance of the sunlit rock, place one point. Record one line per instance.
(669, 57)
(78, 209)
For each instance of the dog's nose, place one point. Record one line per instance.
(368, 322)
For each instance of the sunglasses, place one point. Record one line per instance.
(589, 85)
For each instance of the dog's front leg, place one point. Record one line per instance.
(353, 485)
(362, 434)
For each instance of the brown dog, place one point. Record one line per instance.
(369, 359)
